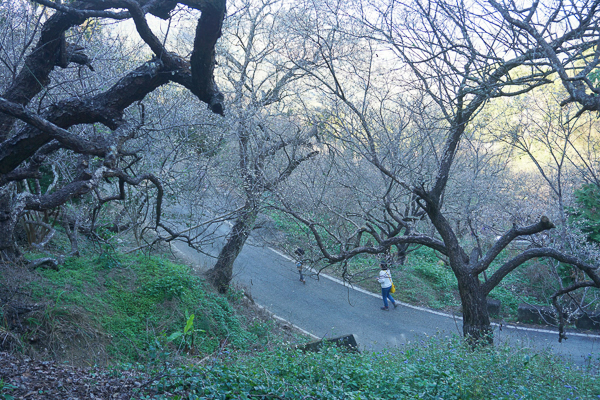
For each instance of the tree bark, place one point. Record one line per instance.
(38, 65)
(9, 215)
(220, 275)
(401, 254)
(476, 320)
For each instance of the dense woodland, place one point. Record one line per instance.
(373, 129)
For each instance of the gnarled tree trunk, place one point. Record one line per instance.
(220, 275)
(9, 215)
(476, 320)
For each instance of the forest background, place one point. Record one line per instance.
(457, 142)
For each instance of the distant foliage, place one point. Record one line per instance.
(587, 213)
(594, 76)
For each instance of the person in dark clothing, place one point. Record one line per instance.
(299, 264)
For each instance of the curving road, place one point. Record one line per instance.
(325, 307)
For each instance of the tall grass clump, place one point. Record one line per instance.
(436, 368)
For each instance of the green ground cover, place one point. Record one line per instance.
(136, 306)
(432, 369)
(159, 318)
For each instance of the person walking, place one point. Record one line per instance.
(299, 265)
(385, 279)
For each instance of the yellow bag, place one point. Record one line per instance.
(393, 289)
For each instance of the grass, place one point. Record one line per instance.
(426, 281)
(433, 369)
(134, 304)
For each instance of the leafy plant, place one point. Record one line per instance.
(4, 387)
(187, 335)
(594, 76)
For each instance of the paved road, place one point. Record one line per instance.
(324, 307)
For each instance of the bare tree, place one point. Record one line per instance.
(458, 56)
(35, 124)
(269, 144)
(179, 145)
(566, 34)
(554, 138)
